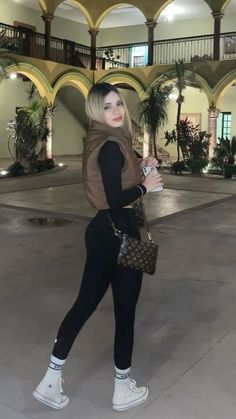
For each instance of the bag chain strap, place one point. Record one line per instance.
(119, 233)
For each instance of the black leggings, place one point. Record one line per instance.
(101, 270)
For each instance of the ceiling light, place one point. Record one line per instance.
(13, 76)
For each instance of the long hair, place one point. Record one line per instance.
(94, 106)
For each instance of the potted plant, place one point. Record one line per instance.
(224, 157)
(28, 136)
(193, 144)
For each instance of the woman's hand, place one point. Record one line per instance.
(153, 180)
(149, 162)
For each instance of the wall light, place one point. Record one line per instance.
(13, 76)
(3, 172)
(61, 164)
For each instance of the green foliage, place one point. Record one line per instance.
(16, 169)
(152, 110)
(181, 79)
(192, 142)
(177, 167)
(29, 132)
(224, 153)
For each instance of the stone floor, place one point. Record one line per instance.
(185, 340)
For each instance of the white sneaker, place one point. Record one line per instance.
(127, 395)
(50, 393)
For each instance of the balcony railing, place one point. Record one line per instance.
(197, 48)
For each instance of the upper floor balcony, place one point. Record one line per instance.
(195, 48)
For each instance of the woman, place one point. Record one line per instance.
(113, 181)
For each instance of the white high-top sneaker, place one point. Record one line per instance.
(49, 392)
(127, 395)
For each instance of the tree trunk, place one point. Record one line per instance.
(177, 128)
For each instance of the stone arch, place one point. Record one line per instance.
(35, 75)
(51, 9)
(201, 82)
(114, 6)
(223, 85)
(72, 78)
(127, 78)
(167, 2)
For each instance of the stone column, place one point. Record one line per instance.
(151, 24)
(93, 33)
(146, 143)
(217, 30)
(212, 127)
(48, 20)
(49, 136)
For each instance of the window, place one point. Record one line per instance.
(139, 56)
(224, 125)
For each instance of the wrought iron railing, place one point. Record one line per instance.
(228, 46)
(196, 48)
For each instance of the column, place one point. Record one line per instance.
(217, 30)
(146, 143)
(212, 127)
(151, 24)
(48, 20)
(49, 136)
(93, 33)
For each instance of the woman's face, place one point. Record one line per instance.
(114, 111)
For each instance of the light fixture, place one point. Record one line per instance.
(173, 96)
(170, 11)
(61, 164)
(4, 172)
(13, 76)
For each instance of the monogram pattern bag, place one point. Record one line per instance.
(136, 254)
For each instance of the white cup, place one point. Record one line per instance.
(146, 171)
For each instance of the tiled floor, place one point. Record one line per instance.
(185, 327)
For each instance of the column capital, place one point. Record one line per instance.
(151, 23)
(93, 31)
(47, 17)
(213, 112)
(217, 15)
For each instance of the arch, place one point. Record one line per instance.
(72, 78)
(199, 80)
(103, 15)
(78, 4)
(167, 2)
(223, 84)
(124, 77)
(35, 75)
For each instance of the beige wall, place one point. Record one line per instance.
(68, 132)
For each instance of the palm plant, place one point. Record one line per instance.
(224, 156)
(29, 132)
(181, 80)
(152, 111)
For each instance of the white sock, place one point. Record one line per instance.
(55, 367)
(121, 376)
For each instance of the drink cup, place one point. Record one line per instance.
(146, 171)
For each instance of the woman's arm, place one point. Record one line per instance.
(111, 161)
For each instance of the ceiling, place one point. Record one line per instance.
(129, 15)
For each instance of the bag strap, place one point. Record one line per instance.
(146, 225)
(119, 233)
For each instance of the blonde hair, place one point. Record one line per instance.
(94, 106)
